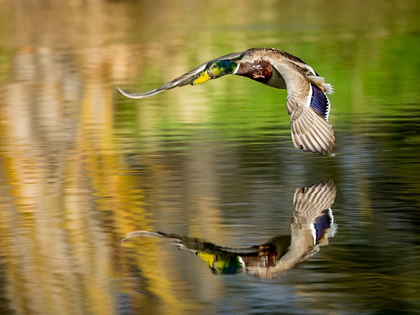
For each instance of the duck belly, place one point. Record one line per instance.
(276, 80)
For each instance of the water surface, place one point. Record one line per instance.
(81, 166)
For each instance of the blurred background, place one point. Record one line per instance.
(81, 166)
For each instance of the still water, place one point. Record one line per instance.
(211, 168)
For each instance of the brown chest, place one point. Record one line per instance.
(258, 70)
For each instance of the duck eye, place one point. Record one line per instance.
(214, 66)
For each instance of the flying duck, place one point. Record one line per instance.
(307, 102)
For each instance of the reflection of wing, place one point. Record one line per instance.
(194, 244)
(184, 79)
(309, 229)
(310, 202)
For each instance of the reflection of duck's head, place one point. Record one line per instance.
(222, 264)
(312, 225)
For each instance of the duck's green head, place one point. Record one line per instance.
(216, 70)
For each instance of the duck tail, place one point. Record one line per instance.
(328, 88)
(320, 82)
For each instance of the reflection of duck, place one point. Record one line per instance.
(307, 102)
(312, 225)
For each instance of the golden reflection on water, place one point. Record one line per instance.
(65, 206)
(67, 195)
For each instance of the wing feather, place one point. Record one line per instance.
(182, 80)
(310, 131)
(320, 139)
(310, 202)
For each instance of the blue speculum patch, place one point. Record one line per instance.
(321, 224)
(320, 102)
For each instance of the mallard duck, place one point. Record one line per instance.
(312, 225)
(307, 102)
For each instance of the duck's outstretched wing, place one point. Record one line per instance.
(311, 202)
(308, 105)
(184, 79)
(310, 131)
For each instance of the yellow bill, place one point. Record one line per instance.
(204, 76)
(208, 258)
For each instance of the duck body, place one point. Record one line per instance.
(307, 102)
